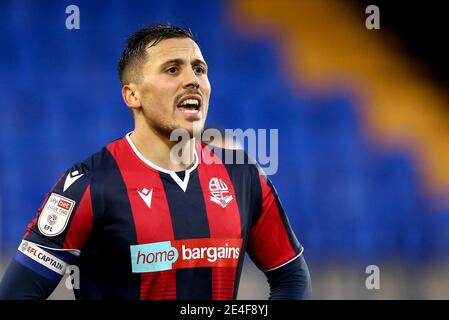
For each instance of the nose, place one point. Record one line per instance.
(194, 85)
(191, 80)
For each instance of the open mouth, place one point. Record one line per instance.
(189, 105)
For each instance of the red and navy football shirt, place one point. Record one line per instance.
(137, 231)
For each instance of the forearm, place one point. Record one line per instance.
(20, 283)
(290, 282)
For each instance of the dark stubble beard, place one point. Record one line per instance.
(164, 130)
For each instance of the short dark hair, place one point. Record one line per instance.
(137, 44)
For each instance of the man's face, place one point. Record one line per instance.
(173, 88)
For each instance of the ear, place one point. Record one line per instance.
(130, 96)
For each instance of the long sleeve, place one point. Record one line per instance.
(27, 279)
(52, 241)
(291, 281)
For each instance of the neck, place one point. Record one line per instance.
(157, 149)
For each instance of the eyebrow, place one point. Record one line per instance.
(181, 61)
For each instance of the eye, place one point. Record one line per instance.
(199, 70)
(172, 70)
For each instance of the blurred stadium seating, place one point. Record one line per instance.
(363, 173)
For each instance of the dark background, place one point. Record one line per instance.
(422, 28)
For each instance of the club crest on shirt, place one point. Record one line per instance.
(219, 192)
(55, 215)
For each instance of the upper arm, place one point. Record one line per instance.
(272, 242)
(65, 219)
(53, 239)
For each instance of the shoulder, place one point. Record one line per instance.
(97, 164)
